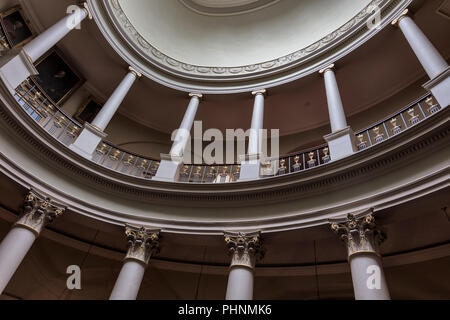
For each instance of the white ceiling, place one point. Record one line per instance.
(223, 3)
(232, 41)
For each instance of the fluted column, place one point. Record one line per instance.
(50, 37)
(341, 141)
(169, 168)
(92, 134)
(251, 165)
(245, 249)
(362, 238)
(38, 212)
(431, 60)
(142, 244)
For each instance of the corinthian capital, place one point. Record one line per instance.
(142, 243)
(38, 211)
(245, 248)
(360, 235)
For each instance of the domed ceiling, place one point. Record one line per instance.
(226, 7)
(235, 45)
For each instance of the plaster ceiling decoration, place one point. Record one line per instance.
(273, 45)
(226, 7)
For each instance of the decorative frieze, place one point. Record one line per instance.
(142, 243)
(360, 235)
(38, 212)
(357, 24)
(245, 248)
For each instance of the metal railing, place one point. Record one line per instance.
(66, 130)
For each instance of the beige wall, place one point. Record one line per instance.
(6, 4)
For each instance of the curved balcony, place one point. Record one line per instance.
(396, 168)
(65, 129)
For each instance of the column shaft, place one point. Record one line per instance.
(108, 111)
(429, 57)
(183, 133)
(129, 281)
(46, 40)
(240, 284)
(13, 249)
(255, 139)
(369, 282)
(335, 107)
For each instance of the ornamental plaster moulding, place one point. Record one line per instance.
(300, 63)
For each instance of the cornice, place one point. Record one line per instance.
(227, 11)
(156, 65)
(432, 133)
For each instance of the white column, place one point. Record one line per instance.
(38, 212)
(142, 244)
(184, 131)
(367, 274)
(362, 239)
(251, 165)
(431, 60)
(13, 249)
(17, 64)
(342, 140)
(255, 139)
(93, 134)
(429, 57)
(46, 40)
(169, 168)
(335, 107)
(245, 249)
(111, 106)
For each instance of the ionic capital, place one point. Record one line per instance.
(135, 72)
(262, 92)
(245, 248)
(397, 20)
(142, 243)
(38, 212)
(84, 6)
(360, 235)
(196, 95)
(330, 67)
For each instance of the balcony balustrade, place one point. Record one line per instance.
(397, 123)
(65, 130)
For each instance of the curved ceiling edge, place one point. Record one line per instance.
(227, 10)
(155, 65)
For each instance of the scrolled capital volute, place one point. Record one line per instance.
(142, 243)
(38, 211)
(360, 234)
(403, 15)
(244, 248)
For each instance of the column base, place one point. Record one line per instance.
(341, 143)
(15, 68)
(169, 168)
(440, 88)
(88, 141)
(250, 167)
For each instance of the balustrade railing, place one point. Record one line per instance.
(66, 130)
(397, 123)
(304, 160)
